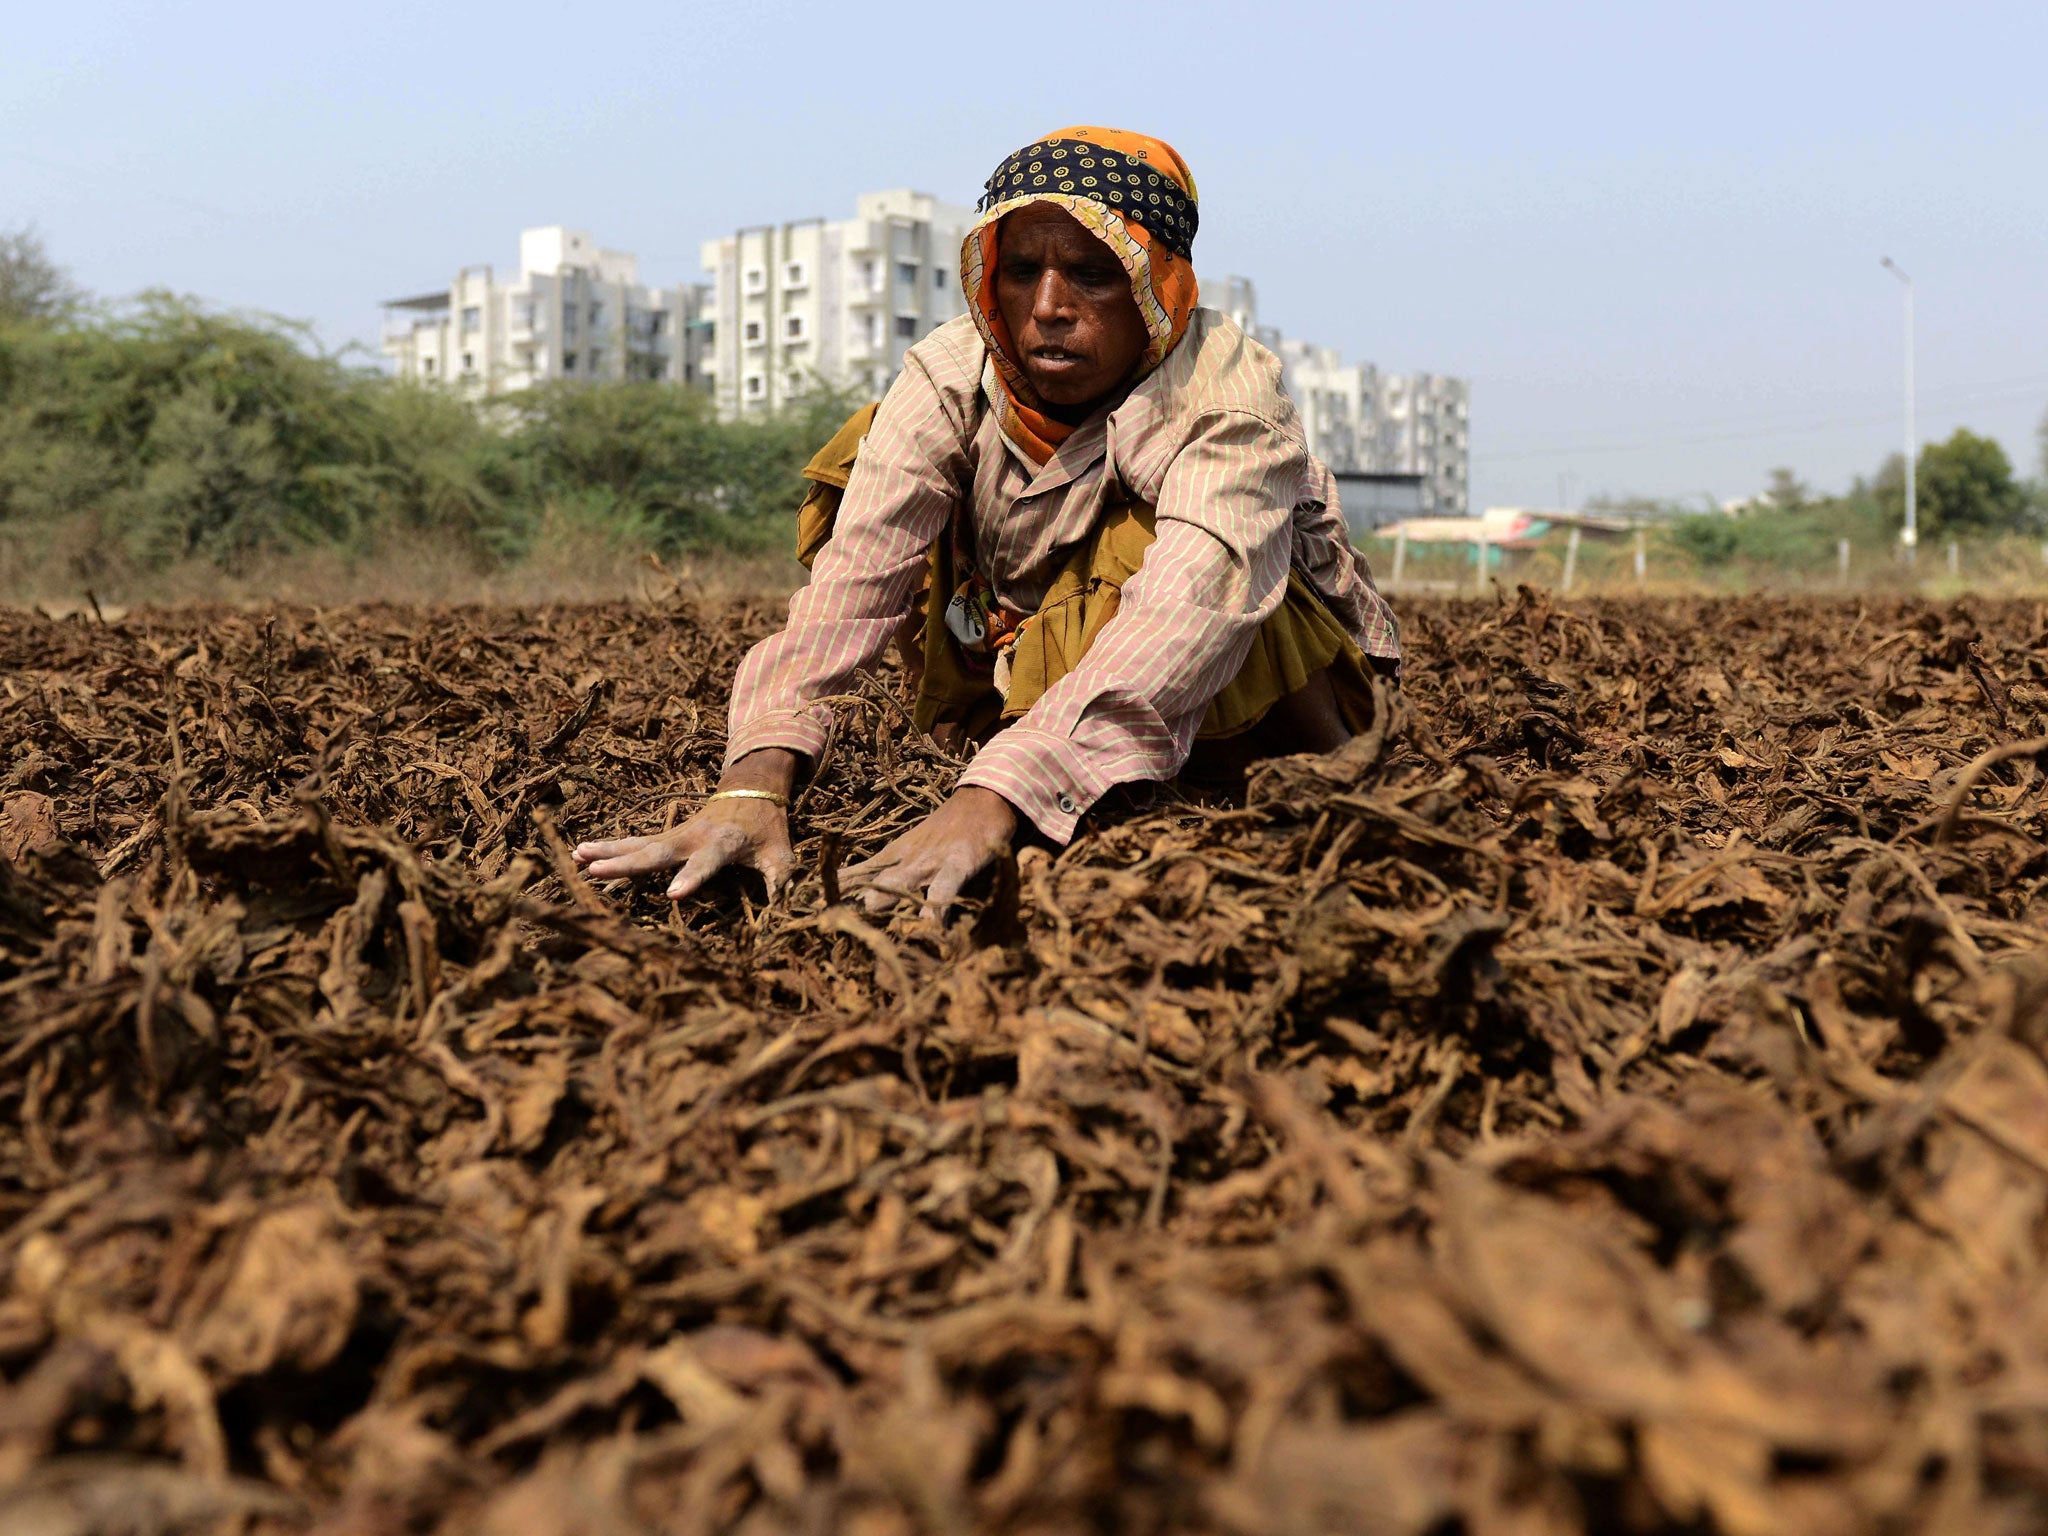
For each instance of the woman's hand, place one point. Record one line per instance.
(939, 855)
(724, 834)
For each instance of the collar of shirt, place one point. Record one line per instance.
(1026, 515)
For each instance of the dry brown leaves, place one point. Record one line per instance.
(1617, 1105)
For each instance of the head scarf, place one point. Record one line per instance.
(1135, 195)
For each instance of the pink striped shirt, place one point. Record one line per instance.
(1208, 439)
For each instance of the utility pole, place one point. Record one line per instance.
(1910, 536)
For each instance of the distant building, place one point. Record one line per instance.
(1236, 297)
(573, 312)
(1362, 422)
(1372, 499)
(836, 302)
(1339, 405)
(1426, 430)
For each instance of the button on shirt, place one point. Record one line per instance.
(1208, 439)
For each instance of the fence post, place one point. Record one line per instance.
(1571, 556)
(1401, 555)
(1480, 545)
(1642, 558)
(1842, 560)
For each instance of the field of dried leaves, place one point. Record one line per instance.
(1614, 1101)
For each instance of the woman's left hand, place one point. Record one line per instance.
(939, 855)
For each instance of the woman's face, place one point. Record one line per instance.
(1067, 303)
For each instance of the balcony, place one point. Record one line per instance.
(403, 317)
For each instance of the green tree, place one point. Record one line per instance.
(1967, 483)
(33, 288)
(158, 432)
(182, 433)
(1711, 538)
(1787, 492)
(1887, 488)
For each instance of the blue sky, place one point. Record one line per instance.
(1648, 233)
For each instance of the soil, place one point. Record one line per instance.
(1612, 1098)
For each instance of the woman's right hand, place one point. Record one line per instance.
(724, 834)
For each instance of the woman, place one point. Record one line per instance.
(1126, 543)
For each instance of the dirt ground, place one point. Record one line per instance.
(1612, 1101)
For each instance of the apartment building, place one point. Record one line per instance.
(833, 302)
(1360, 421)
(574, 311)
(1338, 402)
(1425, 429)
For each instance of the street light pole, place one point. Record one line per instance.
(1910, 535)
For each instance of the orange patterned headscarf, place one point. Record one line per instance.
(1132, 192)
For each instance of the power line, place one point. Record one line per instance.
(127, 186)
(1948, 401)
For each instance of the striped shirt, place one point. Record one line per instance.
(1208, 438)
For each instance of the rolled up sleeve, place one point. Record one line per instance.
(1216, 571)
(911, 473)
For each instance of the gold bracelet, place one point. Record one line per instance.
(750, 794)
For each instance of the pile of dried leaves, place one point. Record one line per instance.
(1616, 1103)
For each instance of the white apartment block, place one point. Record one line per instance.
(1235, 297)
(830, 302)
(1361, 421)
(573, 312)
(1339, 405)
(1425, 429)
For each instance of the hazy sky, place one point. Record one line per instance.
(1648, 233)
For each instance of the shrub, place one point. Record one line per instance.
(164, 432)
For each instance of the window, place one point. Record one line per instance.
(469, 362)
(906, 273)
(596, 360)
(874, 329)
(427, 366)
(793, 328)
(756, 386)
(657, 323)
(868, 275)
(756, 280)
(522, 315)
(939, 278)
(752, 332)
(568, 362)
(595, 311)
(906, 325)
(793, 274)
(472, 317)
(793, 384)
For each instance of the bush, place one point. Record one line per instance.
(662, 461)
(1709, 538)
(165, 433)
